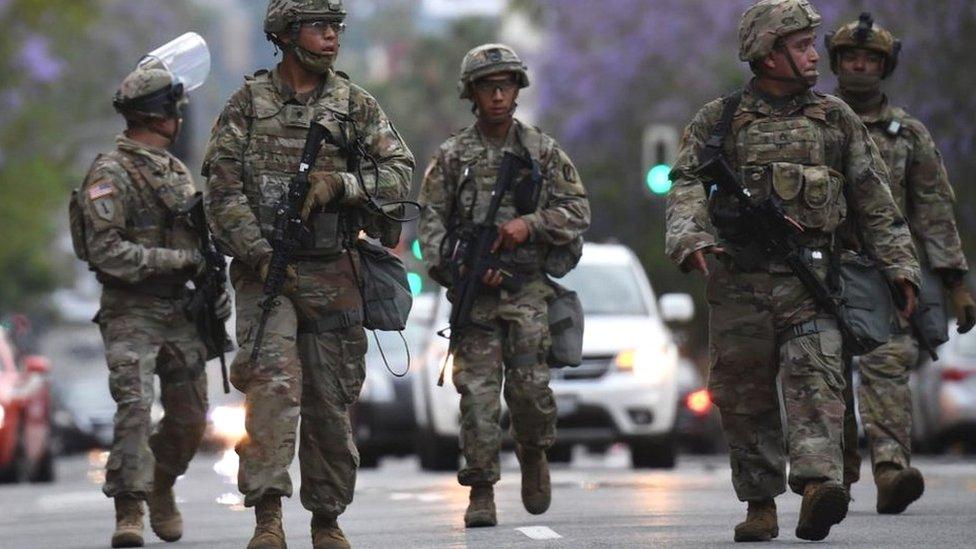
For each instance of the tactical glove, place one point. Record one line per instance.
(291, 275)
(965, 307)
(324, 187)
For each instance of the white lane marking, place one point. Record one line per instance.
(539, 532)
(67, 500)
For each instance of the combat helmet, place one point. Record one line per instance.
(282, 13)
(863, 34)
(763, 24)
(151, 92)
(490, 59)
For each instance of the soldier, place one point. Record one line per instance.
(863, 54)
(510, 336)
(129, 224)
(812, 153)
(311, 364)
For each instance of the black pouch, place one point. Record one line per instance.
(931, 317)
(565, 328)
(865, 303)
(385, 290)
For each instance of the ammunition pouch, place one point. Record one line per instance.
(931, 317)
(865, 302)
(384, 287)
(565, 328)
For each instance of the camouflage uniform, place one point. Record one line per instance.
(510, 338)
(143, 253)
(813, 153)
(921, 190)
(311, 364)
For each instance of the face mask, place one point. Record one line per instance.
(858, 82)
(313, 62)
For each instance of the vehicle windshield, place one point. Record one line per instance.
(607, 289)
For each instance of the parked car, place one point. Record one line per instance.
(383, 417)
(624, 391)
(944, 395)
(26, 452)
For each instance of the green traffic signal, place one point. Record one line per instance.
(415, 248)
(416, 283)
(659, 179)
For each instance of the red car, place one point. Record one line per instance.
(25, 417)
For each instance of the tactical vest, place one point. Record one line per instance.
(155, 209)
(273, 149)
(790, 157)
(476, 177)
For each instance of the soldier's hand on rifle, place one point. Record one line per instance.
(324, 187)
(908, 296)
(223, 305)
(492, 278)
(511, 234)
(291, 275)
(965, 307)
(696, 261)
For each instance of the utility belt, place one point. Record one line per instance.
(750, 258)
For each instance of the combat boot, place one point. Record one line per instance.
(268, 533)
(164, 517)
(536, 487)
(760, 523)
(326, 533)
(481, 507)
(128, 522)
(824, 505)
(897, 488)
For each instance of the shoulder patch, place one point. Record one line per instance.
(100, 190)
(569, 174)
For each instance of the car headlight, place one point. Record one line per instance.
(3, 413)
(654, 365)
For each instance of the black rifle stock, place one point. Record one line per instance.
(289, 231)
(209, 285)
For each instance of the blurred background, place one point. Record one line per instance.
(614, 81)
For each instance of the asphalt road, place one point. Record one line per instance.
(597, 502)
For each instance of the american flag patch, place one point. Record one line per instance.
(101, 189)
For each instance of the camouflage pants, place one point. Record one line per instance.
(311, 367)
(885, 405)
(750, 343)
(144, 337)
(508, 345)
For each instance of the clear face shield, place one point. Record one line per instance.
(187, 58)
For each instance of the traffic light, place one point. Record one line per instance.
(658, 149)
(415, 249)
(416, 283)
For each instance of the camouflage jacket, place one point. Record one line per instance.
(132, 203)
(919, 185)
(457, 188)
(257, 142)
(810, 150)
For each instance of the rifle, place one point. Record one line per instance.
(289, 230)
(774, 233)
(208, 287)
(472, 256)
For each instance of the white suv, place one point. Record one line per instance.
(624, 391)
